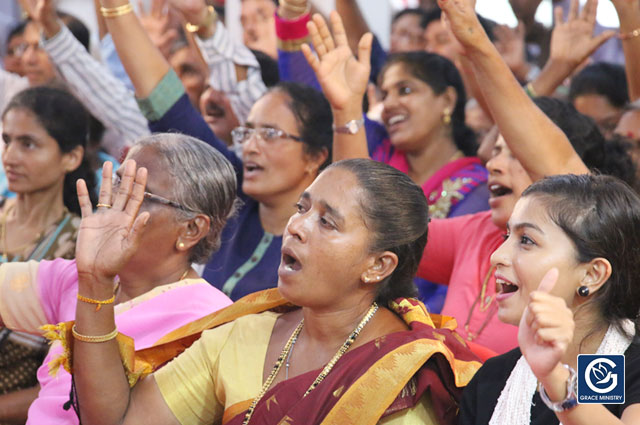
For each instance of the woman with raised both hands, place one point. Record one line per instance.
(568, 278)
(338, 330)
(190, 194)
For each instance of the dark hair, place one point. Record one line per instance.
(76, 27)
(436, 13)
(395, 210)
(268, 68)
(67, 122)
(439, 73)
(601, 215)
(419, 12)
(17, 30)
(313, 116)
(604, 79)
(608, 157)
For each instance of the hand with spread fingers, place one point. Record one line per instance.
(109, 236)
(342, 76)
(546, 328)
(572, 41)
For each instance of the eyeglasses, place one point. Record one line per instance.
(268, 134)
(115, 183)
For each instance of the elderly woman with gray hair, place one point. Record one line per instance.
(156, 291)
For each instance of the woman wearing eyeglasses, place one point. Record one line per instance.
(285, 143)
(190, 192)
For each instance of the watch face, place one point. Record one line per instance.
(352, 127)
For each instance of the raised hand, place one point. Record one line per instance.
(343, 77)
(109, 237)
(572, 41)
(157, 24)
(461, 18)
(546, 328)
(43, 12)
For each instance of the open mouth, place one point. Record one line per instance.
(505, 287)
(497, 190)
(290, 263)
(251, 167)
(396, 119)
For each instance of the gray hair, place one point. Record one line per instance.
(204, 181)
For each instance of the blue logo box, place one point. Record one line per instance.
(601, 379)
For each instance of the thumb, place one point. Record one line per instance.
(549, 281)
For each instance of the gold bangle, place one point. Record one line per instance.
(630, 34)
(98, 302)
(113, 12)
(211, 17)
(94, 338)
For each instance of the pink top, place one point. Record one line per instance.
(458, 254)
(146, 319)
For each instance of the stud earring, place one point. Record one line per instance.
(583, 291)
(366, 279)
(180, 245)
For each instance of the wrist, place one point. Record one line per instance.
(96, 287)
(51, 28)
(555, 383)
(291, 12)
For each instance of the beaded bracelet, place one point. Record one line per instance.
(94, 338)
(98, 303)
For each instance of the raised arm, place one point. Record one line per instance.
(629, 15)
(105, 96)
(106, 241)
(343, 79)
(572, 42)
(542, 148)
(356, 26)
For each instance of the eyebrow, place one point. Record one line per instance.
(266, 124)
(399, 83)
(331, 210)
(525, 225)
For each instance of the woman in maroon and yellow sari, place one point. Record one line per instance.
(339, 340)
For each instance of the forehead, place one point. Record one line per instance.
(340, 189)
(407, 21)
(531, 209)
(255, 6)
(149, 158)
(273, 109)
(31, 33)
(396, 73)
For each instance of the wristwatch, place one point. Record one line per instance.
(570, 401)
(352, 127)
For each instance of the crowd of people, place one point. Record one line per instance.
(301, 227)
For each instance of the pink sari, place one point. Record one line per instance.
(146, 319)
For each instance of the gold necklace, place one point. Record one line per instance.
(325, 371)
(485, 302)
(3, 229)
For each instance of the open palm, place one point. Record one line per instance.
(109, 237)
(342, 77)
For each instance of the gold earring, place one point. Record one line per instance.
(446, 116)
(366, 279)
(180, 245)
